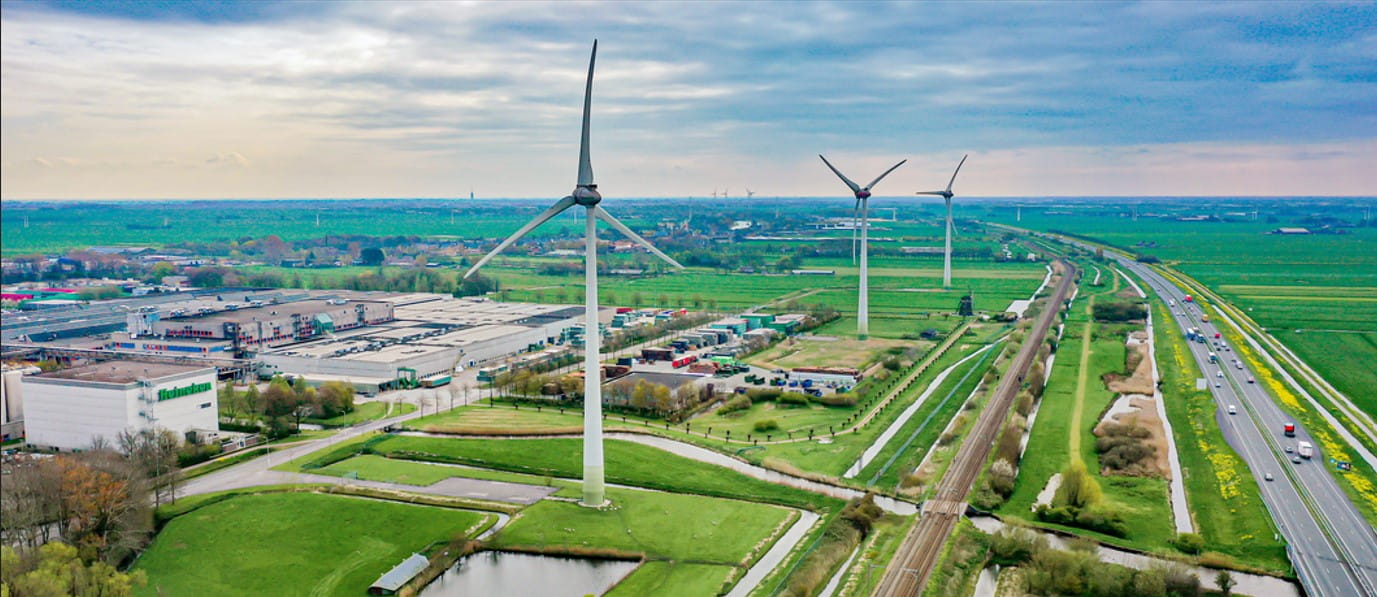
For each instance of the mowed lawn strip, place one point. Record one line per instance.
(663, 526)
(627, 463)
(672, 579)
(293, 544)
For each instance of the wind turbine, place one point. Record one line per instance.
(586, 195)
(862, 204)
(947, 195)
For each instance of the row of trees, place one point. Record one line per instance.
(99, 501)
(285, 401)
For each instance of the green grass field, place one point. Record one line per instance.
(627, 463)
(367, 411)
(667, 577)
(693, 542)
(293, 544)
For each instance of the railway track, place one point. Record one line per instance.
(908, 573)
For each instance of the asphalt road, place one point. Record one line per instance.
(1332, 547)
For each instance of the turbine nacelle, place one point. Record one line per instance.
(586, 195)
(862, 194)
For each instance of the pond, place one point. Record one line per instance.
(508, 573)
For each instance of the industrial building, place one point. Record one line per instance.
(68, 409)
(12, 400)
(259, 326)
(426, 343)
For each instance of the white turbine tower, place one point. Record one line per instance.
(862, 204)
(586, 195)
(947, 195)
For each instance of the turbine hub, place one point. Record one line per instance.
(862, 194)
(587, 195)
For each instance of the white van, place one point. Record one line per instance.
(1233, 410)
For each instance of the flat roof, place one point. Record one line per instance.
(122, 372)
(266, 312)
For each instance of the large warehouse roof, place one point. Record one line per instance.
(121, 372)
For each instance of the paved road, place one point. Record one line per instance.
(1339, 562)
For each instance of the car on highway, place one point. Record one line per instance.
(1219, 374)
(1233, 410)
(1218, 384)
(1289, 449)
(1267, 476)
(1250, 380)
(1296, 459)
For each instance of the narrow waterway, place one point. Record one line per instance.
(1248, 584)
(875, 448)
(508, 573)
(777, 553)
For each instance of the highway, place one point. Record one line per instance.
(1332, 547)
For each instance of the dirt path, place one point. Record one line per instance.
(1083, 371)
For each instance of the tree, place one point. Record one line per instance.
(1225, 582)
(104, 507)
(154, 453)
(372, 256)
(279, 399)
(252, 400)
(58, 570)
(335, 398)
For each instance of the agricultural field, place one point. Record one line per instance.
(1324, 285)
(294, 544)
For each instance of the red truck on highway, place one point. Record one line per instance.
(1289, 430)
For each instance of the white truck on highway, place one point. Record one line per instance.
(1305, 450)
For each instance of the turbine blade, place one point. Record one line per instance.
(607, 217)
(545, 216)
(852, 185)
(881, 177)
(585, 163)
(958, 171)
(937, 193)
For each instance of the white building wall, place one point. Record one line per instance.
(70, 415)
(479, 352)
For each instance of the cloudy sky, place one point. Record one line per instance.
(170, 99)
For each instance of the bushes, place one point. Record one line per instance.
(1190, 543)
(1077, 504)
(766, 425)
(1012, 546)
(1119, 311)
(764, 394)
(843, 399)
(792, 399)
(736, 404)
(1122, 447)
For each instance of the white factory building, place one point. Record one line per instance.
(12, 400)
(69, 409)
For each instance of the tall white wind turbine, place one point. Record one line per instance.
(586, 195)
(863, 204)
(947, 195)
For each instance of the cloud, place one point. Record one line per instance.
(407, 99)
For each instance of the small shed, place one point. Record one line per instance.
(393, 580)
